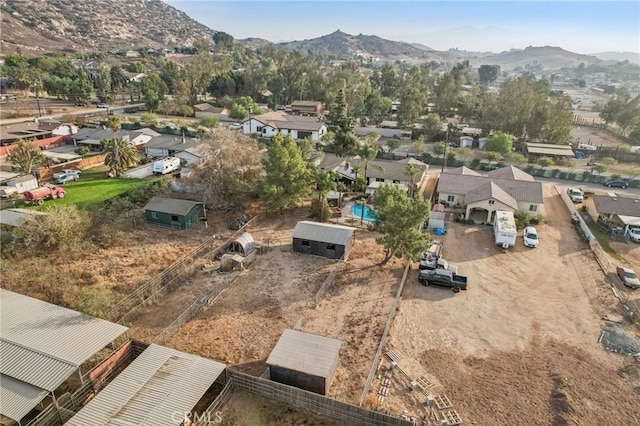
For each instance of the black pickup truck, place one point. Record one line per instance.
(443, 278)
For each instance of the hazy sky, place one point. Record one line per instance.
(581, 26)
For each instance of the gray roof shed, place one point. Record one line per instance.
(157, 388)
(624, 206)
(323, 232)
(17, 217)
(39, 348)
(306, 353)
(170, 205)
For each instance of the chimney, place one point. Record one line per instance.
(347, 166)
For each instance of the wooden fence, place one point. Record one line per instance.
(328, 282)
(45, 173)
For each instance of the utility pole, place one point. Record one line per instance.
(444, 155)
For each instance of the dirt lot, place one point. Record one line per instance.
(520, 346)
(278, 291)
(246, 408)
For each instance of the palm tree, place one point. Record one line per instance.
(123, 156)
(325, 182)
(115, 125)
(367, 153)
(411, 171)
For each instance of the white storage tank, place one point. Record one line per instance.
(482, 142)
(466, 142)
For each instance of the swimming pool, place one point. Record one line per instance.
(369, 214)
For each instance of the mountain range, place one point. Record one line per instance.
(41, 26)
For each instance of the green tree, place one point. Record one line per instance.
(413, 95)
(500, 143)
(288, 177)
(393, 144)
(464, 153)
(451, 155)
(559, 121)
(82, 151)
(417, 147)
(544, 162)
(345, 141)
(149, 118)
(238, 112)
(399, 218)
(432, 126)
(492, 156)
(27, 155)
(325, 181)
(439, 148)
(377, 106)
(121, 157)
(209, 122)
(599, 168)
(488, 73)
(104, 91)
(516, 159)
(609, 161)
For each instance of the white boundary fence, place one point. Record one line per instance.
(328, 282)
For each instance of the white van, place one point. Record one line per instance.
(166, 165)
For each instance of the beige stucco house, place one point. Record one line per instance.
(507, 188)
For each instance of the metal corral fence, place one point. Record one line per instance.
(385, 333)
(69, 404)
(168, 279)
(299, 398)
(200, 302)
(328, 282)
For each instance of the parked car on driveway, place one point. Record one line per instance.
(576, 195)
(616, 184)
(67, 178)
(628, 277)
(64, 172)
(443, 278)
(102, 105)
(634, 234)
(530, 236)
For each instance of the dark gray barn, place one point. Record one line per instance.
(322, 239)
(304, 360)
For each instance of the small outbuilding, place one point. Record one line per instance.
(177, 214)
(243, 245)
(306, 361)
(23, 183)
(322, 239)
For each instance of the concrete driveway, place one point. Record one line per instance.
(140, 172)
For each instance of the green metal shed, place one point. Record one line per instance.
(177, 214)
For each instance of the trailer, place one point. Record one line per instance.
(504, 229)
(166, 165)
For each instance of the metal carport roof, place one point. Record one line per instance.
(322, 232)
(155, 389)
(41, 345)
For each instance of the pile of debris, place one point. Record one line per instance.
(239, 222)
(616, 340)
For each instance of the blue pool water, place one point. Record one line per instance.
(369, 214)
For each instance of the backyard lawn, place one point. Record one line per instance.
(93, 188)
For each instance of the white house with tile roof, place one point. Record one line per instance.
(272, 123)
(507, 188)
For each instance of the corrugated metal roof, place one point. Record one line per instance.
(34, 368)
(323, 232)
(170, 205)
(17, 217)
(306, 353)
(18, 398)
(53, 330)
(151, 390)
(245, 240)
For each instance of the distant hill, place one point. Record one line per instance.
(254, 43)
(549, 57)
(40, 26)
(633, 57)
(344, 44)
(423, 47)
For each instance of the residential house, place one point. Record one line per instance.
(134, 76)
(92, 138)
(556, 152)
(170, 146)
(38, 129)
(378, 171)
(272, 123)
(312, 108)
(507, 188)
(617, 211)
